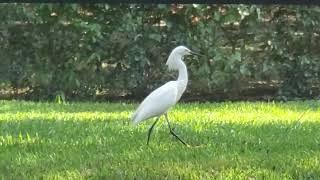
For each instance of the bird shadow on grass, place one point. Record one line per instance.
(37, 148)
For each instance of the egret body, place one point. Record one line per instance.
(159, 101)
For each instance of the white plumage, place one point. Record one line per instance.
(157, 103)
(163, 98)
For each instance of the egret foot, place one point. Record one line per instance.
(173, 133)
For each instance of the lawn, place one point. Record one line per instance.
(230, 140)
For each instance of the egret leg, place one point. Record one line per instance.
(173, 133)
(151, 128)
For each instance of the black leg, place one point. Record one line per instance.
(151, 128)
(172, 132)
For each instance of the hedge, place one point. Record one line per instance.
(94, 51)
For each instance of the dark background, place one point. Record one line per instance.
(116, 52)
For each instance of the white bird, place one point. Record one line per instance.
(159, 101)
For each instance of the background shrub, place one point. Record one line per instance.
(98, 51)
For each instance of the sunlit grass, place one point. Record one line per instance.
(233, 140)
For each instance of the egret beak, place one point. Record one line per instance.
(195, 53)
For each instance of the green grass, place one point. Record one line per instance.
(239, 140)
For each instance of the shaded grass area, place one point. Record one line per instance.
(238, 140)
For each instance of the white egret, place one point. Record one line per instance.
(159, 101)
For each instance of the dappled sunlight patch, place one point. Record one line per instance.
(309, 166)
(55, 115)
(72, 174)
(8, 139)
(243, 112)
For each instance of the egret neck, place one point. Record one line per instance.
(182, 78)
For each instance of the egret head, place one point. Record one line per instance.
(181, 50)
(176, 55)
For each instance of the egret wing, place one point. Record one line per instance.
(157, 102)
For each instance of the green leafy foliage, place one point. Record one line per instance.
(91, 50)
